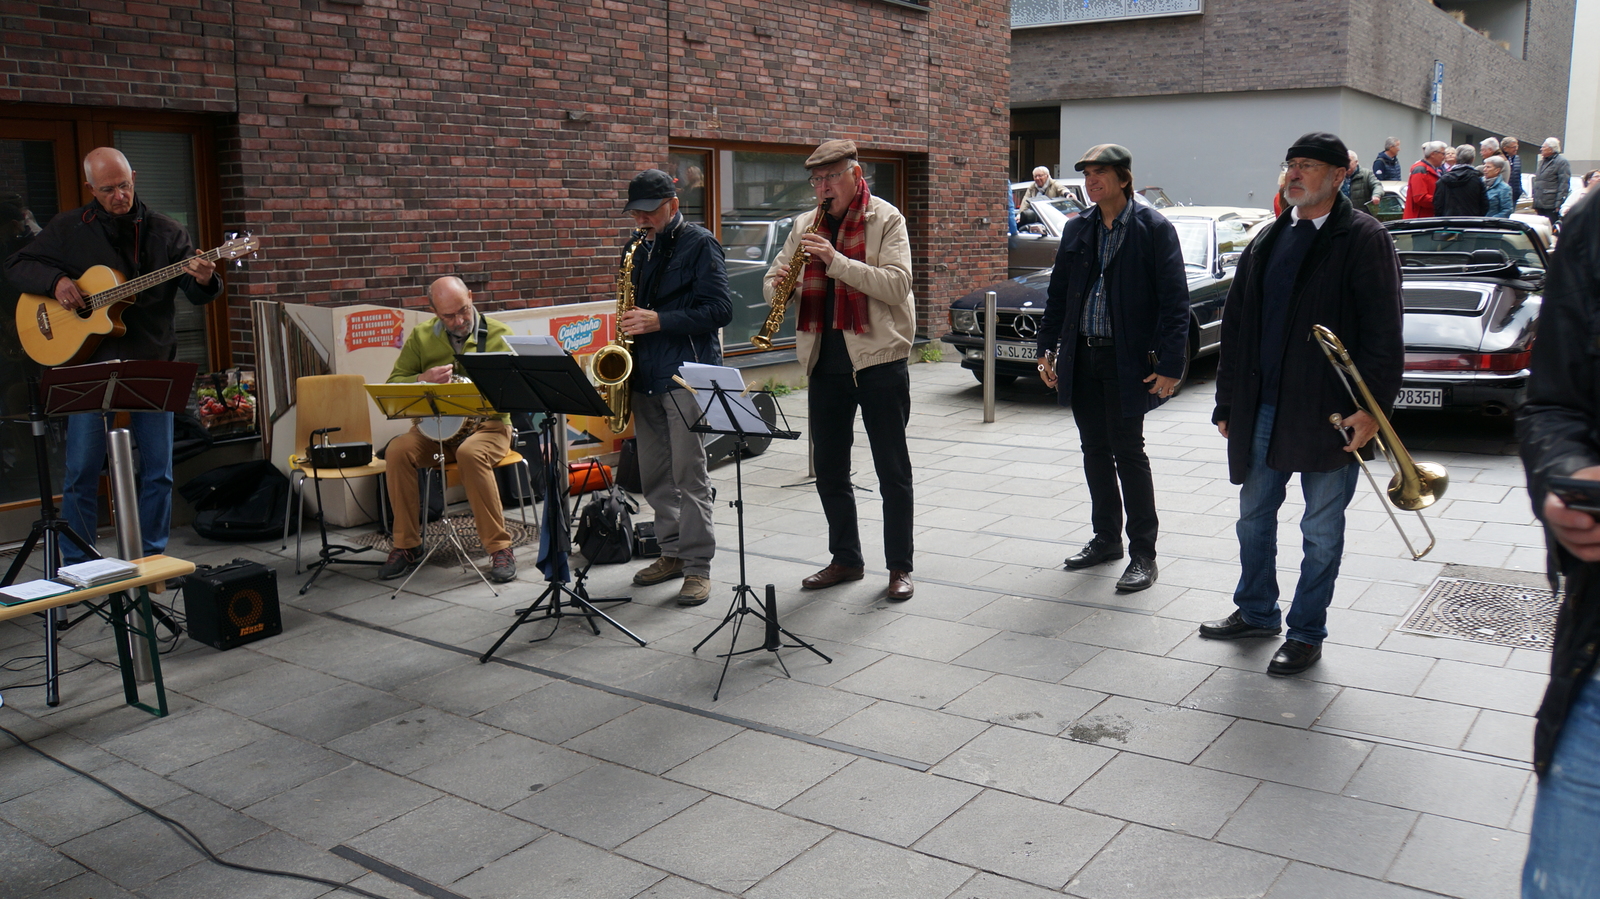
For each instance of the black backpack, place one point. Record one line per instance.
(243, 502)
(605, 528)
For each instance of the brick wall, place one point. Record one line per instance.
(375, 145)
(1382, 47)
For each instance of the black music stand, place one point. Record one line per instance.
(553, 384)
(422, 399)
(726, 411)
(130, 386)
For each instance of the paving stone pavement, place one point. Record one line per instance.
(1015, 730)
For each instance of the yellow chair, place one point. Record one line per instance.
(329, 401)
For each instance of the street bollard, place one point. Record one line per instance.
(989, 316)
(130, 542)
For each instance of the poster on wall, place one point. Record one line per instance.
(582, 335)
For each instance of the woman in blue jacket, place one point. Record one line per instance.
(1499, 192)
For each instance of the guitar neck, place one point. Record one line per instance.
(144, 282)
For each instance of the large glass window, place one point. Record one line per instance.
(688, 168)
(164, 163)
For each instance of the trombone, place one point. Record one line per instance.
(1415, 485)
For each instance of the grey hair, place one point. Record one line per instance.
(1553, 143)
(1039, 168)
(1510, 139)
(1434, 146)
(1465, 154)
(1489, 143)
(1389, 143)
(1500, 173)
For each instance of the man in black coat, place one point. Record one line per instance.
(1319, 264)
(680, 304)
(1557, 429)
(118, 231)
(1117, 319)
(1461, 191)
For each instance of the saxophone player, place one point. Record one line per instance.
(681, 303)
(856, 322)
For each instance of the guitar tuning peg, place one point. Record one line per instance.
(236, 257)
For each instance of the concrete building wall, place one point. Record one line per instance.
(1582, 144)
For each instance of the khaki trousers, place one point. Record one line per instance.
(475, 459)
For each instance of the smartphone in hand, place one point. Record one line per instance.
(1578, 493)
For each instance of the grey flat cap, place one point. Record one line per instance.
(830, 152)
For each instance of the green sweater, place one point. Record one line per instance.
(427, 346)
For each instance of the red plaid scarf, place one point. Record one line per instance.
(849, 304)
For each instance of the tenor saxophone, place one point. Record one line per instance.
(612, 364)
(783, 291)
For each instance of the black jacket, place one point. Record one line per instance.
(1348, 283)
(134, 244)
(1387, 168)
(1461, 192)
(1147, 293)
(684, 280)
(1559, 431)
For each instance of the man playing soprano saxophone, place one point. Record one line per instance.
(856, 320)
(681, 301)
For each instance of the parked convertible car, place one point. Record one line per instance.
(1210, 243)
(1472, 288)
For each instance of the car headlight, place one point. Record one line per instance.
(964, 320)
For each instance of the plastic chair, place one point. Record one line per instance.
(329, 401)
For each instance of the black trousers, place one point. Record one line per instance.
(1113, 451)
(883, 394)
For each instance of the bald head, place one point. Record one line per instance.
(452, 302)
(109, 176)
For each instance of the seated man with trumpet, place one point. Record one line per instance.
(1322, 263)
(429, 355)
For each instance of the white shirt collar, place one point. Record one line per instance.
(1294, 212)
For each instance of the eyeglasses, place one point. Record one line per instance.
(815, 180)
(110, 189)
(1304, 168)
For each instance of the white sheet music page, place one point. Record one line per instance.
(702, 377)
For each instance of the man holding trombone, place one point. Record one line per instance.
(1322, 263)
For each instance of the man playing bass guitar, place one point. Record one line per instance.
(118, 231)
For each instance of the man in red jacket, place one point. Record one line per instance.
(1424, 180)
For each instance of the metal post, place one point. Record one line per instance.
(130, 543)
(989, 316)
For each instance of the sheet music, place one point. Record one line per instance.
(535, 345)
(745, 417)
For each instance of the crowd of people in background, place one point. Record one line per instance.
(1481, 181)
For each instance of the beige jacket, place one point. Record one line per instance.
(885, 277)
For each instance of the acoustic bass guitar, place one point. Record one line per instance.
(53, 335)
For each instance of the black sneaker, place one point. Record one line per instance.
(400, 563)
(503, 566)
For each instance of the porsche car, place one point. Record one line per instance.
(1210, 243)
(1472, 289)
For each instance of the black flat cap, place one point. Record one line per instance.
(1105, 154)
(1321, 146)
(830, 152)
(649, 189)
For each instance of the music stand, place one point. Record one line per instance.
(727, 411)
(424, 400)
(551, 383)
(124, 386)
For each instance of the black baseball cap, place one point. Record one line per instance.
(649, 189)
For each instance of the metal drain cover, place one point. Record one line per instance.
(1501, 614)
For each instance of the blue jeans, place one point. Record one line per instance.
(1562, 863)
(86, 453)
(1327, 493)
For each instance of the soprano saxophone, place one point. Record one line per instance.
(783, 291)
(612, 364)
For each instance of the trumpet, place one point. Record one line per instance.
(1415, 485)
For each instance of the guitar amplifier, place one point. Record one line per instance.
(233, 604)
(339, 455)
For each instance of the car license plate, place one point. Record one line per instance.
(1023, 351)
(1420, 398)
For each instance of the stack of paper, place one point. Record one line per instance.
(95, 572)
(31, 590)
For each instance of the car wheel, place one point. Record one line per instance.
(999, 380)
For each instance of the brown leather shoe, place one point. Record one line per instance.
(833, 574)
(900, 586)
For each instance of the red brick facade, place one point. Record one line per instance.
(376, 144)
